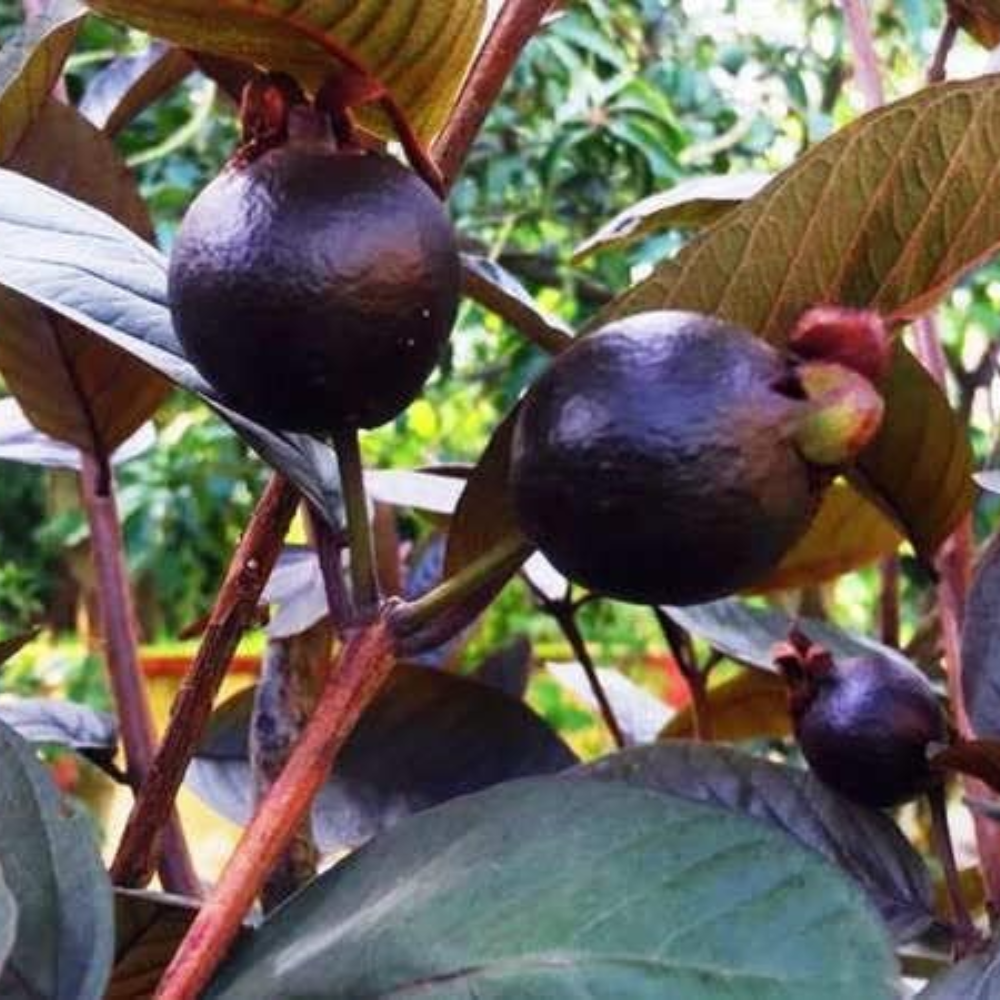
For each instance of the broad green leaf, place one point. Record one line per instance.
(428, 736)
(148, 928)
(419, 49)
(129, 84)
(71, 385)
(65, 929)
(751, 705)
(865, 843)
(981, 645)
(847, 533)
(485, 514)
(691, 204)
(747, 634)
(84, 265)
(30, 65)
(557, 889)
(889, 212)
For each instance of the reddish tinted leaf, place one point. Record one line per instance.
(70, 384)
(980, 18)
(420, 49)
(30, 65)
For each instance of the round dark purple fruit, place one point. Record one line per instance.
(656, 460)
(865, 724)
(314, 288)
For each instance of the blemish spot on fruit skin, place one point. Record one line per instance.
(315, 290)
(654, 461)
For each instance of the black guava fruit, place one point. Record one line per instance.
(656, 460)
(864, 724)
(315, 288)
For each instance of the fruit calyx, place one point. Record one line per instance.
(855, 338)
(804, 664)
(843, 413)
(265, 110)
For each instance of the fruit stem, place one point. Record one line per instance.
(457, 594)
(329, 545)
(363, 666)
(967, 937)
(679, 643)
(234, 611)
(889, 601)
(121, 650)
(565, 618)
(364, 581)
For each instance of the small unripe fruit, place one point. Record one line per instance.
(662, 459)
(865, 724)
(315, 288)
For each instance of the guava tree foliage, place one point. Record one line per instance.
(751, 416)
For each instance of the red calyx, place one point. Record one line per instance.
(855, 338)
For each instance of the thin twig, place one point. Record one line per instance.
(135, 719)
(679, 643)
(967, 938)
(514, 28)
(565, 618)
(938, 69)
(866, 65)
(364, 580)
(889, 601)
(235, 609)
(364, 664)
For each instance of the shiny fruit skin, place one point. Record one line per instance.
(653, 461)
(313, 289)
(866, 727)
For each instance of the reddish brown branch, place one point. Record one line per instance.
(114, 600)
(363, 666)
(234, 612)
(679, 643)
(514, 28)
(565, 617)
(866, 66)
